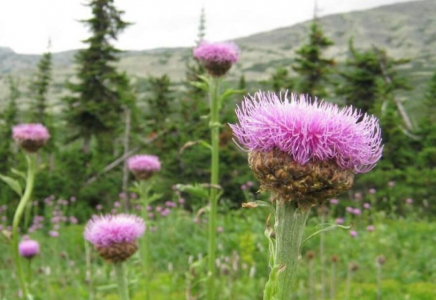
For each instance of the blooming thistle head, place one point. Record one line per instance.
(114, 236)
(28, 248)
(217, 58)
(143, 166)
(306, 151)
(30, 137)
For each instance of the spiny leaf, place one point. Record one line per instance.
(14, 184)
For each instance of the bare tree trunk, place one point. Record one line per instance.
(126, 150)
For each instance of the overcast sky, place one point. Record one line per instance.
(26, 25)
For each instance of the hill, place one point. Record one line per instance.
(405, 30)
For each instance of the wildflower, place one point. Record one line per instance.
(53, 233)
(372, 191)
(409, 201)
(340, 221)
(249, 183)
(28, 248)
(358, 196)
(391, 183)
(73, 199)
(217, 58)
(334, 201)
(243, 187)
(182, 201)
(349, 209)
(357, 211)
(143, 166)
(353, 233)
(165, 212)
(99, 207)
(306, 151)
(30, 137)
(220, 229)
(117, 204)
(366, 205)
(370, 228)
(114, 236)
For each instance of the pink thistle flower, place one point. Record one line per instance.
(358, 196)
(217, 58)
(165, 212)
(117, 204)
(391, 183)
(73, 199)
(220, 229)
(366, 205)
(149, 207)
(143, 166)
(409, 201)
(150, 215)
(372, 191)
(357, 211)
(249, 183)
(349, 209)
(340, 221)
(115, 236)
(309, 131)
(353, 233)
(370, 228)
(53, 233)
(182, 201)
(133, 196)
(334, 201)
(30, 137)
(159, 208)
(243, 187)
(99, 207)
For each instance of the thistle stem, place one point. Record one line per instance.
(144, 192)
(289, 227)
(30, 180)
(123, 288)
(213, 199)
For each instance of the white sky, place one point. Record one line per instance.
(26, 25)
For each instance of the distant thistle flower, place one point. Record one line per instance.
(353, 233)
(143, 166)
(28, 248)
(30, 137)
(308, 151)
(217, 58)
(114, 236)
(370, 228)
(334, 201)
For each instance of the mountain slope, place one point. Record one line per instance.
(405, 30)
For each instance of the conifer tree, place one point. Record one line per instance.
(95, 106)
(312, 67)
(281, 81)
(39, 89)
(9, 117)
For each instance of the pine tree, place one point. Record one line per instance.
(159, 102)
(313, 69)
(10, 118)
(39, 89)
(95, 108)
(281, 81)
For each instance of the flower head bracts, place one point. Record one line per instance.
(309, 131)
(107, 230)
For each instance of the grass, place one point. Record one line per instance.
(178, 246)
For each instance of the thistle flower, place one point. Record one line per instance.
(30, 137)
(143, 166)
(114, 236)
(306, 150)
(217, 58)
(28, 248)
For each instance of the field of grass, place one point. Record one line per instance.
(69, 268)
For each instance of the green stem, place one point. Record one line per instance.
(322, 254)
(289, 227)
(123, 289)
(379, 281)
(145, 253)
(332, 281)
(213, 199)
(31, 163)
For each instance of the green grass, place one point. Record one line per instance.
(178, 260)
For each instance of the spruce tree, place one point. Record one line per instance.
(39, 89)
(281, 81)
(95, 106)
(9, 117)
(312, 68)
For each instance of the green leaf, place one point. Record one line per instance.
(228, 93)
(329, 228)
(14, 184)
(200, 85)
(195, 190)
(19, 173)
